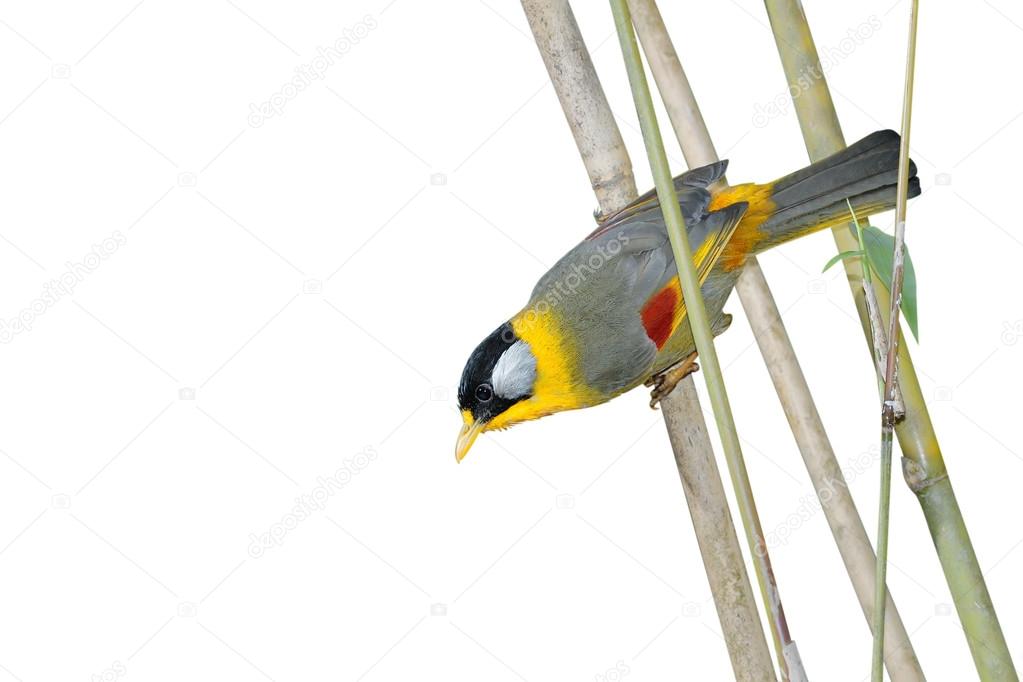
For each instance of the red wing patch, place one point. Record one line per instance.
(658, 314)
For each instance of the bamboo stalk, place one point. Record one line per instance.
(582, 99)
(888, 411)
(719, 546)
(607, 162)
(902, 195)
(699, 322)
(794, 394)
(922, 463)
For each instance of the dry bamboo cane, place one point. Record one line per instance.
(789, 662)
(603, 152)
(922, 463)
(779, 356)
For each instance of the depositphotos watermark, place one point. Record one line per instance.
(561, 289)
(314, 501)
(830, 57)
(810, 505)
(61, 287)
(1012, 332)
(314, 70)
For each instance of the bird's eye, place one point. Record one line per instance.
(484, 393)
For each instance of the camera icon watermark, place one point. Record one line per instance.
(943, 394)
(186, 393)
(312, 286)
(438, 609)
(565, 501)
(61, 71)
(943, 609)
(60, 501)
(817, 286)
(116, 671)
(187, 179)
(440, 394)
(187, 609)
(691, 609)
(943, 179)
(615, 674)
(438, 179)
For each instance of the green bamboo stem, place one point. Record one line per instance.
(722, 557)
(923, 465)
(607, 163)
(699, 321)
(881, 348)
(881, 566)
(888, 412)
(779, 356)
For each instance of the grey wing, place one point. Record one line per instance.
(634, 261)
(601, 286)
(697, 178)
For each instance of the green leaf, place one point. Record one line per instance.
(880, 247)
(842, 256)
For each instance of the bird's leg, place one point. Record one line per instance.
(665, 382)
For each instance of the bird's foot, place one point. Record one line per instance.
(665, 382)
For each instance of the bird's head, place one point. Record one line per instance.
(500, 375)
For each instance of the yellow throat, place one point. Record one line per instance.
(559, 383)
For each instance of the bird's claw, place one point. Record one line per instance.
(665, 382)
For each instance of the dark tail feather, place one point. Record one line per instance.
(865, 173)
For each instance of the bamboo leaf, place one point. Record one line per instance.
(841, 257)
(821, 131)
(880, 248)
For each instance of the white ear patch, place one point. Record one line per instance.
(515, 372)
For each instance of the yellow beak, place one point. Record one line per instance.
(466, 437)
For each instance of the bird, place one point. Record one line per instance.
(609, 315)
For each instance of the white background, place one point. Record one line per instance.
(291, 294)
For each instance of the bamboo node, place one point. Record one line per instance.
(916, 476)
